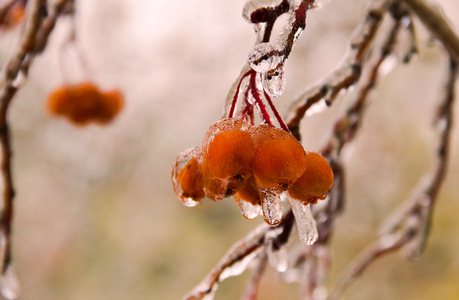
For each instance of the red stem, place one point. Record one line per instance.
(257, 97)
(276, 114)
(236, 94)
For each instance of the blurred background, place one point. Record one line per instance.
(96, 215)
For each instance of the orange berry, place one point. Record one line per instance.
(279, 159)
(84, 102)
(187, 177)
(227, 158)
(248, 193)
(314, 184)
(112, 103)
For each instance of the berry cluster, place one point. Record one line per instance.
(84, 103)
(255, 164)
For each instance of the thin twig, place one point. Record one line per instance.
(433, 18)
(254, 283)
(409, 226)
(34, 39)
(346, 74)
(8, 87)
(241, 254)
(248, 247)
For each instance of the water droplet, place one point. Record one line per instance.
(249, 211)
(387, 65)
(9, 284)
(317, 108)
(264, 57)
(271, 206)
(274, 82)
(305, 222)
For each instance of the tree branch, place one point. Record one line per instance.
(39, 24)
(433, 18)
(409, 226)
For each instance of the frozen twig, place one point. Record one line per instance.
(345, 130)
(233, 263)
(12, 75)
(347, 74)
(241, 254)
(408, 227)
(39, 24)
(254, 283)
(346, 127)
(380, 247)
(433, 18)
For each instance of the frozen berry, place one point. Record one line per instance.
(187, 178)
(279, 159)
(314, 184)
(227, 158)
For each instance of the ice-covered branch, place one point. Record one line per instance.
(268, 57)
(315, 259)
(254, 283)
(433, 18)
(346, 74)
(242, 254)
(409, 225)
(346, 127)
(39, 24)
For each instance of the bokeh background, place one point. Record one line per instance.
(96, 216)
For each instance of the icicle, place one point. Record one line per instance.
(264, 57)
(271, 206)
(305, 222)
(9, 284)
(274, 82)
(277, 258)
(249, 211)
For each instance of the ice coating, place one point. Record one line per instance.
(317, 108)
(265, 57)
(271, 206)
(187, 177)
(248, 201)
(248, 210)
(9, 284)
(253, 5)
(277, 257)
(307, 229)
(274, 82)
